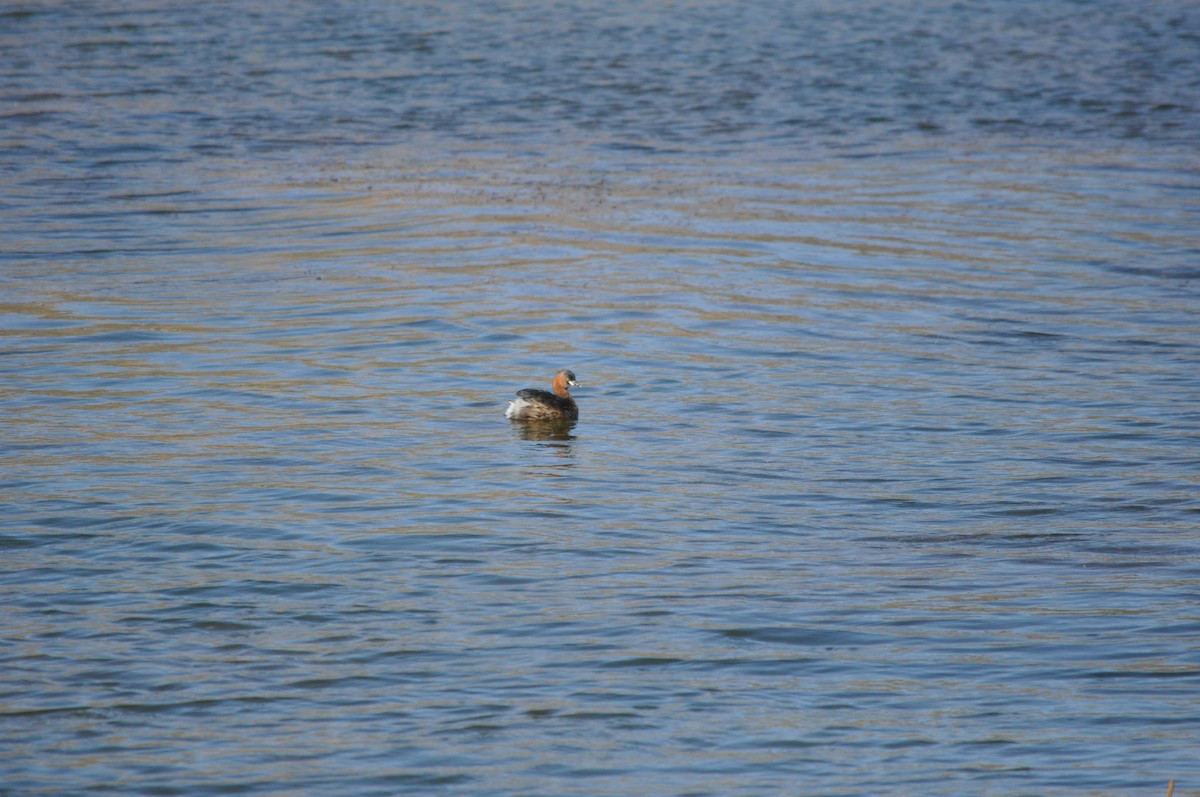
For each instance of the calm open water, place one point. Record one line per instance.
(887, 477)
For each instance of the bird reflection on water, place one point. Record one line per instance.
(559, 432)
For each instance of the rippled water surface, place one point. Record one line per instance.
(886, 478)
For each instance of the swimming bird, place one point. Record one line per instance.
(532, 404)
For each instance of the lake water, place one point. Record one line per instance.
(887, 475)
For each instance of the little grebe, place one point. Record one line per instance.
(532, 404)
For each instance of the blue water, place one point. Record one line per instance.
(886, 477)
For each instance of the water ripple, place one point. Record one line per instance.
(884, 479)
